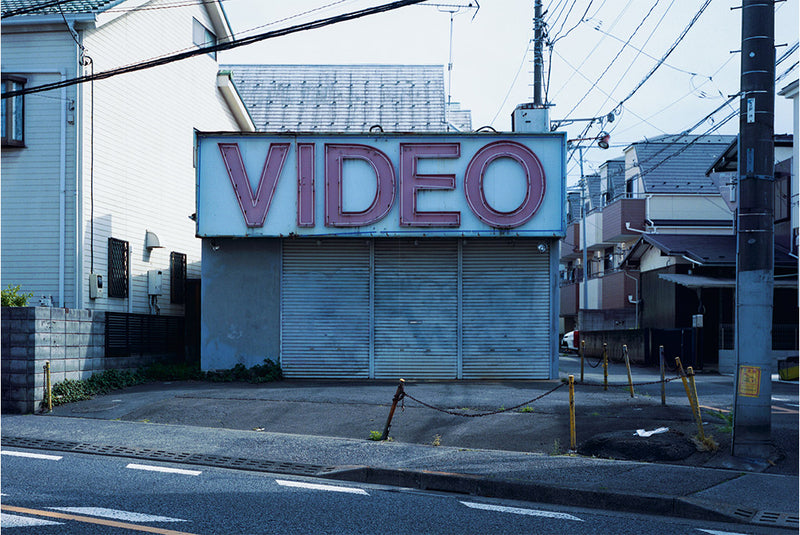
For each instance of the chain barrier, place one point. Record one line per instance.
(490, 413)
(599, 361)
(634, 384)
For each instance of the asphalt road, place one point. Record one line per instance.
(57, 493)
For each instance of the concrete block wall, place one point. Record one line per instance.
(73, 340)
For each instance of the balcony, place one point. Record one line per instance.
(619, 212)
(570, 245)
(617, 286)
(569, 299)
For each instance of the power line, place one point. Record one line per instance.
(216, 48)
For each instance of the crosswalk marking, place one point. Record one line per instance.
(153, 468)
(520, 511)
(31, 455)
(16, 521)
(314, 486)
(116, 514)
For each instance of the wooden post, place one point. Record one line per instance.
(663, 379)
(583, 354)
(572, 441)
(605, 366)
(628, 366)
(398, 395)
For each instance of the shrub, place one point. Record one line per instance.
(11, 297)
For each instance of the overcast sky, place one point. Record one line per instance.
(492, 57)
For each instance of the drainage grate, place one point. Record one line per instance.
(770, 518)
(218, 461)
(744, 514)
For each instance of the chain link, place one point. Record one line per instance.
(626, 385)
(463, 415)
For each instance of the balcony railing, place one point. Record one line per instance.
(617, 214)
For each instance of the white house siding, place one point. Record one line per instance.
(31, 217)
(143, 146)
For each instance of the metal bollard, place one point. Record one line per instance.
(663, 378)
(628, 366)
(605, 366)
(583, 353)
(698, 416)
(48, 388)
(572, 440)
(398, 395)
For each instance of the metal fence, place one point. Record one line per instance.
(784, 336)
(139, 334)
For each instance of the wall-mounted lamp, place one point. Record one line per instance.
(542, 248)
(151, 241)
(214, 245)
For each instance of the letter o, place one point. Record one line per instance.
(534, 176)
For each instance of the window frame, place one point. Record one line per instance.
(118, 281)
(177, 278)
(210, 38)
(8, 123)
(782, 192)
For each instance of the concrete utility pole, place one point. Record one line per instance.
(755, 255)
(538, 58)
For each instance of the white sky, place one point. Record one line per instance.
(489, 49)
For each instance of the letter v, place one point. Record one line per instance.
(254, 208)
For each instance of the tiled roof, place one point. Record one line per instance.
(75, 6)
(678, 164)
(343, 98)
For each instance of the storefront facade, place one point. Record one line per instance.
(357, 256)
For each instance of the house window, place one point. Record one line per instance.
(13, 121)
(783, 197)
(202, 37)
(118, 268)
(629, 189)
(177, 278)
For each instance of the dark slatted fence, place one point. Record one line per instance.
(139, 334)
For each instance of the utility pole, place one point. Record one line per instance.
(755, 246)
(585, 254)
(538, 58)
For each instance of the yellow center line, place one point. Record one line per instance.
(90, 520)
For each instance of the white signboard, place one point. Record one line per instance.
(388, 185)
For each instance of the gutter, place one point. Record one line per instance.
(234, 100)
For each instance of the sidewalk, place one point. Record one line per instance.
(321, 429)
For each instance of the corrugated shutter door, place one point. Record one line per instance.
(506, 310)
(416, 309)
(325, 328)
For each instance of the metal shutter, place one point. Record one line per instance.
(416, 308)
(325, 327)
(506, 310)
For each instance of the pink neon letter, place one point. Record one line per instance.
(254, 209)
(411, 182)
(335, 154)
(305, 184)
(534, 175)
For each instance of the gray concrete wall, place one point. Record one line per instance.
(240, 319)
(72, 340)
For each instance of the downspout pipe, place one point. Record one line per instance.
(62, 196)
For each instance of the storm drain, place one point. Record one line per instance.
(782, 520)
(200, 459)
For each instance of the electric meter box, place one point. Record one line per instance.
(154, 282)
(96, 289)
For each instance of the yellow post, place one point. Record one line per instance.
(628, 366)
(605, 366)
(697, 415)
(48, 389)
(663, 378)
(688, 391)
(572, 445)
(583, 353)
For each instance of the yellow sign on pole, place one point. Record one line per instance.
(749, 381)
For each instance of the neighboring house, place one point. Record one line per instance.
(658, 187)
(98, 178)
(348, 98)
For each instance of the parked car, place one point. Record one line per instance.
(570, 341)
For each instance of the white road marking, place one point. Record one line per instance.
(152, 468)
(314, 486)
(125, 516)
(16, 521)
(519, 511)
(32, 455)
(715, 532)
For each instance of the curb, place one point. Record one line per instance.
(517, 490)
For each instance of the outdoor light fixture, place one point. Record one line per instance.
(542, 248)
(603, 139)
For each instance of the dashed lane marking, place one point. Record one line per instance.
(116, 514)
(315, 486)
(31, 455)
(90, 520)
(520, 511)
(153, 468)
(16, 521)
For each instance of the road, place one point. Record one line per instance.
(67, 493)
